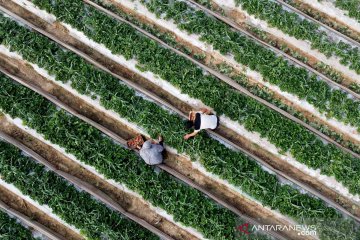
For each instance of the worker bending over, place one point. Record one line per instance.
(151, 151)
(199, 120)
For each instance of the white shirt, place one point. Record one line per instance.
(207, 121)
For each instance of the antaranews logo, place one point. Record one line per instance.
(244, 228)
(304, 230)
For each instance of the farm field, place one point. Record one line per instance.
(81, 77)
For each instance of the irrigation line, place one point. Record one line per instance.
(217, 199)
(157, 99)
(121, 141)
(228, 80)
(299, 12)
(215, 73)
(285, 55)
(85, 186)
(31, 223)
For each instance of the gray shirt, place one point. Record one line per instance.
(152, 153)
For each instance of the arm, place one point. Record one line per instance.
(187, 136)
(190, 114)
(205, 111)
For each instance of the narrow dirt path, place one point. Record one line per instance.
(327, 13)
(131, 203)
(215, 60)
(278, 38)
(275, 161)
(177, 162)
(35, 214)
(33, 226)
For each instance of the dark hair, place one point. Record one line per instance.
(189, 124)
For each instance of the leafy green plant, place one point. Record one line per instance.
(318, 15)
(334, 103)
(351, 6)
(90, 146)
(77, 208)
(355, 87)
(273, 68)
(123, 39)
(10, 228)
(241, 79)
(187, 205)
(289, 22)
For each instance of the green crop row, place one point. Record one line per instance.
(334, 103)
(239, 78)
(320, 17)
(10, 228)
(288, 136)
(77, 208)
(289, 22)
(90, 146)
(275, 69)
(186, 204)
(86, 141)
(327, 70)
(351, 6)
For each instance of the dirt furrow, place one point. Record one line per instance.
(215, 60)
(278, 163)
(128, 201)
(24, 207)
(279, 39)
(180, 163)
(61, 33)
(333, 20)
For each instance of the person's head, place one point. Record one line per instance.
(189, 124)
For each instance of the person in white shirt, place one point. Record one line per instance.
(199, 120)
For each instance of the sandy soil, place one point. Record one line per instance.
(246, 144)
(331, 15)
(303, 48)
(129, 202)
(62, 33)
(26, 208)
(177, 162)
(214, 59)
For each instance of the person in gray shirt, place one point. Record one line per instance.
(152, 151)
